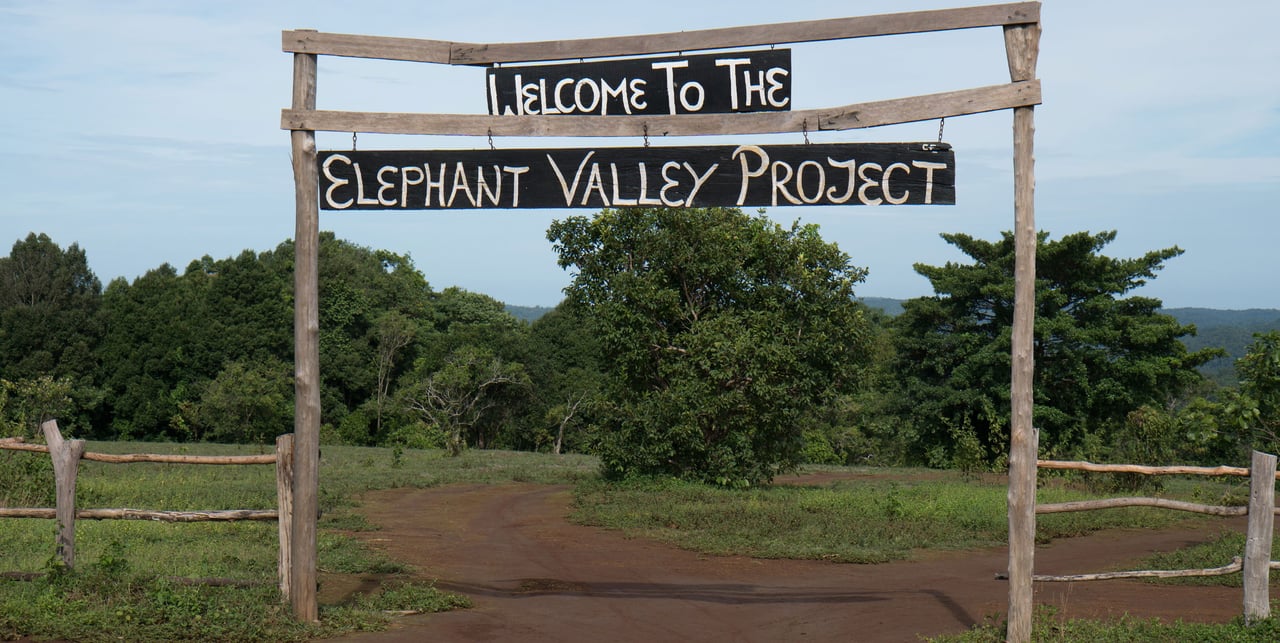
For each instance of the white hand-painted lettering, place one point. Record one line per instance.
(335, 182)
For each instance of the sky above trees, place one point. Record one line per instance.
(148, 132)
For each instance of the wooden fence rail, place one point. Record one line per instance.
(66, 455)
(1256, 563)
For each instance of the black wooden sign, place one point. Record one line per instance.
(613, 177)
(741, 81)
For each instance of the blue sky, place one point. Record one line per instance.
(148, 132)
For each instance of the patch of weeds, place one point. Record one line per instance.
(410, 596)
(343, 555)
(347, 521)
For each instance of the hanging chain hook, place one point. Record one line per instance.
(646, 135)
(942, 122)
(353, 141)
(491, 139)
(805, 129)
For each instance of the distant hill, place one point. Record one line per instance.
(528, 313)
(891, 306)
(1231, 330)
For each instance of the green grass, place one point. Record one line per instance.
(1047, 627)
(883, 515)
(124, 586)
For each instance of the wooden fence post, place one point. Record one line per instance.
(66, 463)
(1257, 546)
(284, 510)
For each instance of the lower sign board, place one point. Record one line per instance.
(614, 177)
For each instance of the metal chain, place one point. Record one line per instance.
(646, 135)
(942, 122)
(491, 139)
(353, 141)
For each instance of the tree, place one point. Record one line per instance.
(28, 403)
(1098, 355)
(718, 331)
(457, 397)
(393, 332)
(248, 402)
(564, 360)
(1259, 372)
(48, 302)
(359, 287)
(49, 324)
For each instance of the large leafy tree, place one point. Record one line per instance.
(49, 326)
(1098, 354)
(48, 302)
(718, 331)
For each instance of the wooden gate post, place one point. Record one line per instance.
(306, 350)
(1022, 44)
(1257, 546)
(66, 463)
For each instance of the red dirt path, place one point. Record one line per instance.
(535, 577)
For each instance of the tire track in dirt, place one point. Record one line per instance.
(535, 577)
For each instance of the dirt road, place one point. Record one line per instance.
(535, 577)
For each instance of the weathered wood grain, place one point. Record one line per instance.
(1234, 566)
(1080, 465)
(855, 116)
(457, 53)
(1023, 438)
(306, 338)
(284, 508)
(228, 515)
(265, 458)
(1258, 537)
(1163, 503)
(66, 464)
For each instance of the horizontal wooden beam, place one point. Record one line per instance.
(1162, 503)
(10, 444)
(145, 514)
(856, 116)
(456, 53)
(1235, 566)
(1145, 470)
(306, 41)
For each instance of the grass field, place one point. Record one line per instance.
(127, 581)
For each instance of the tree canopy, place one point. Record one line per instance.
(718, 331)
(1098, 355)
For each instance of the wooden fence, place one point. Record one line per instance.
(1256, 563)
(67, 454)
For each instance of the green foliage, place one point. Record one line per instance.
(566, 365)
(247, 402)
(1260, 381)
(462, 396)
(48, 304)
(26, 480)
(28, 403)
(1098, 356)
(718, 331)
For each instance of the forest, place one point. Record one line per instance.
(703, 343)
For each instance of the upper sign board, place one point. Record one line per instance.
(611, 177)
(740, 81)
